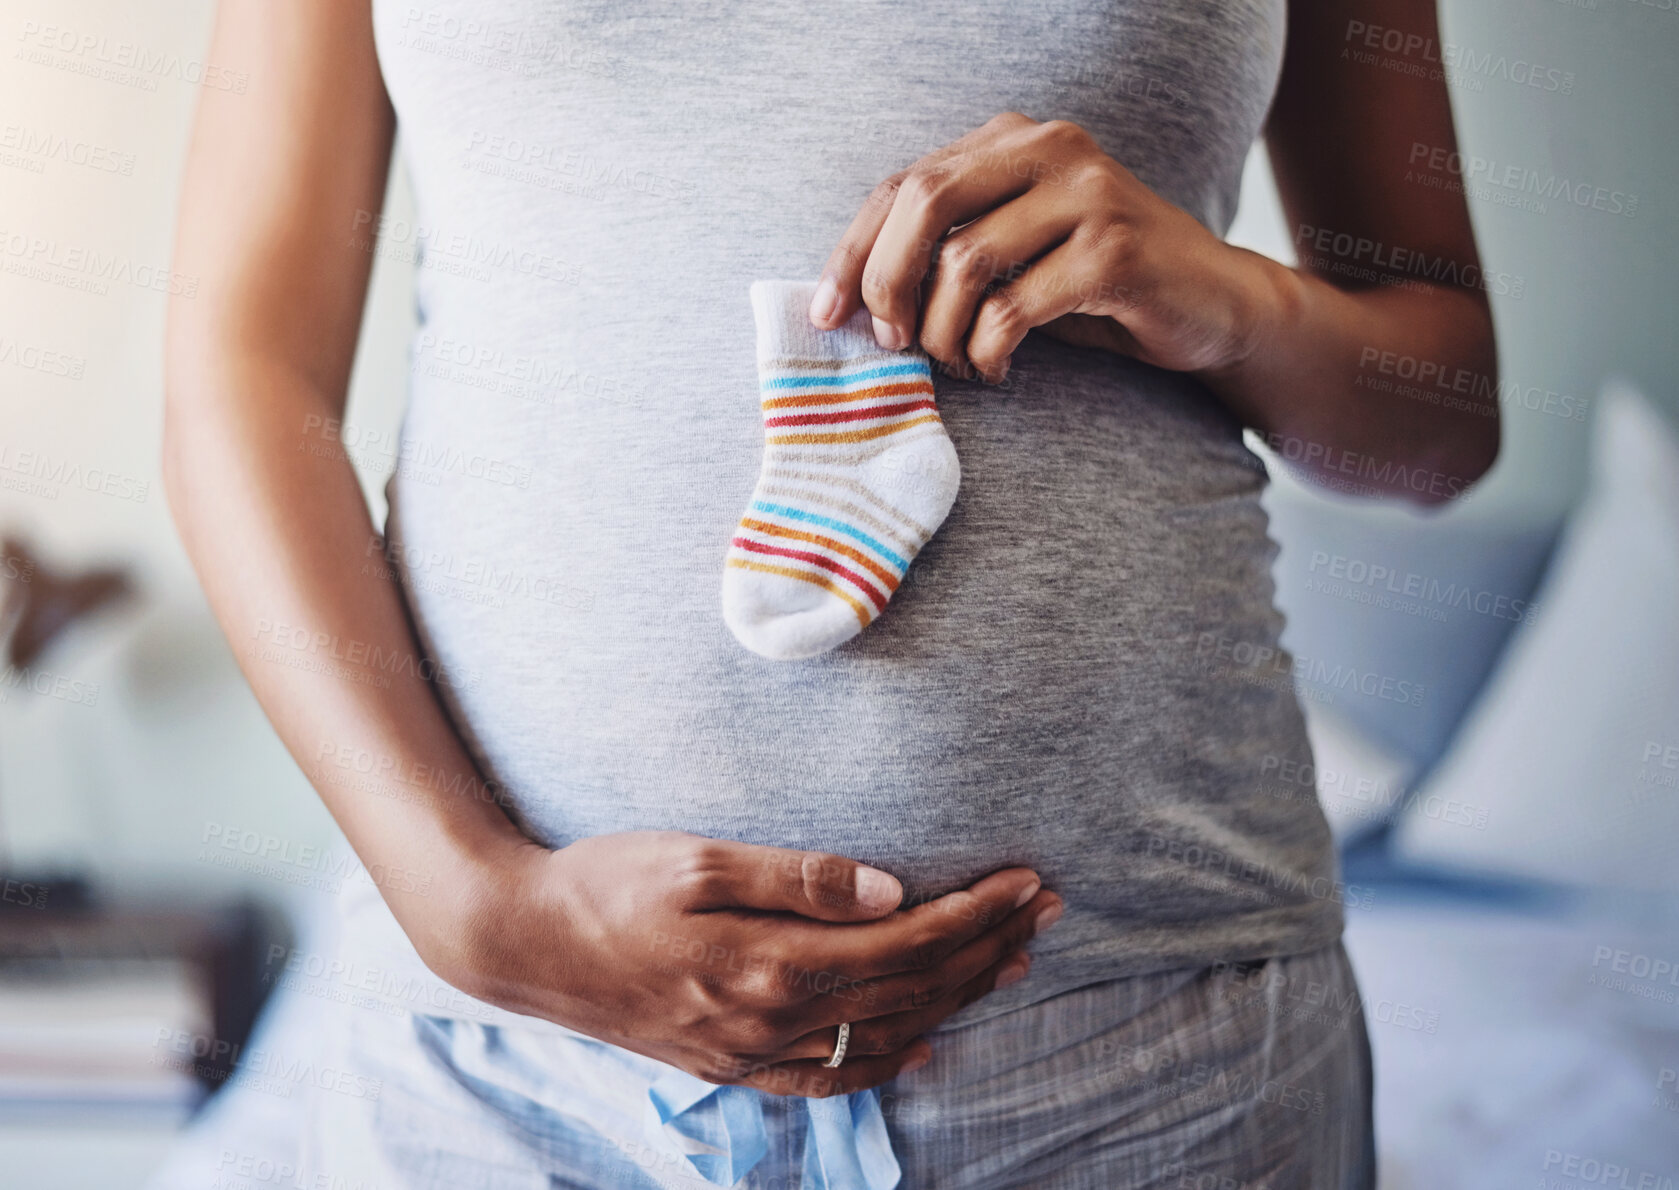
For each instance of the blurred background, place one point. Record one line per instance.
(1511, 820)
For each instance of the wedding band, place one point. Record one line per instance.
(839, 1046)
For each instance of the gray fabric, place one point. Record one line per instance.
(1081, 672)
(1230, 1077)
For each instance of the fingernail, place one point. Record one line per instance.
(827, 297)
(1027, 893)
(1048, 917)
(1014, 972)
(876, 890)
(886, 335)
(918, 1063)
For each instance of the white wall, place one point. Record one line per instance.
(174, 747)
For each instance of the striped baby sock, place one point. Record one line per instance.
(858, 473)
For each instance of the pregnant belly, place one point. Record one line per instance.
(1047, 686)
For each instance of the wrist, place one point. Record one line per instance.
(465, 936)
(1263, 297)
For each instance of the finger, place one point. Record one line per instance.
(934, 198)
(812, 1079)
(913, 939)
(931, 200)
(999, 244)
(912, 990)
(890, 1033)
(722, 874)
(839, 293)
(1067, 278)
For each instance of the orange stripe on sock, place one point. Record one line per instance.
(850, 435)
(812, 558)
(886, 577)
(805, 576)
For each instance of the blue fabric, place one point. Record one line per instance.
(871, 374)
(829, 523)
(846, 1145)
(1252, 1074)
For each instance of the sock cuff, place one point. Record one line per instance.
(781, 311)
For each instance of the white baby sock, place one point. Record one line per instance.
(858, 473)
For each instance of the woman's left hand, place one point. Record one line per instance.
(1048, 231)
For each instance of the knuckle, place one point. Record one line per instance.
(928, 993)
(877, 288)
(1101, 183)
(1114, 246)
(889, 1040)
(968, 261)
(956, 255)
(927, 184)
(1009, 120)
(1063, 133)
(925, 951)
(1003, 313)
(697, 869)
(813, 874)
(760, 986)
(951, 908)
(968, 906)
(886, 193)
(987, 357)
(697, 995)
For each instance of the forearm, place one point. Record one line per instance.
(1392, 388)
(952, 253)
(271, 514)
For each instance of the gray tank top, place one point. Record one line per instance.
(1081, 672)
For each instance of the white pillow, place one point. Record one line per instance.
(1360, 782)
(1572, 751)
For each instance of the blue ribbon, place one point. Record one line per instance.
(846, 1145)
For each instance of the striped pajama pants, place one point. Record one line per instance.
(1228, 1078)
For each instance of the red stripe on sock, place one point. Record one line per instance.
(836, 397)
(826, 563)
(827, 419)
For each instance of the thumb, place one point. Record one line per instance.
(810, 883)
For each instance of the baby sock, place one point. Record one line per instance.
(858, 473)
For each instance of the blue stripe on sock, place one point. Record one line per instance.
(912, 369)
(827, 522)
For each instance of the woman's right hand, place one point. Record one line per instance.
(737, 962)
